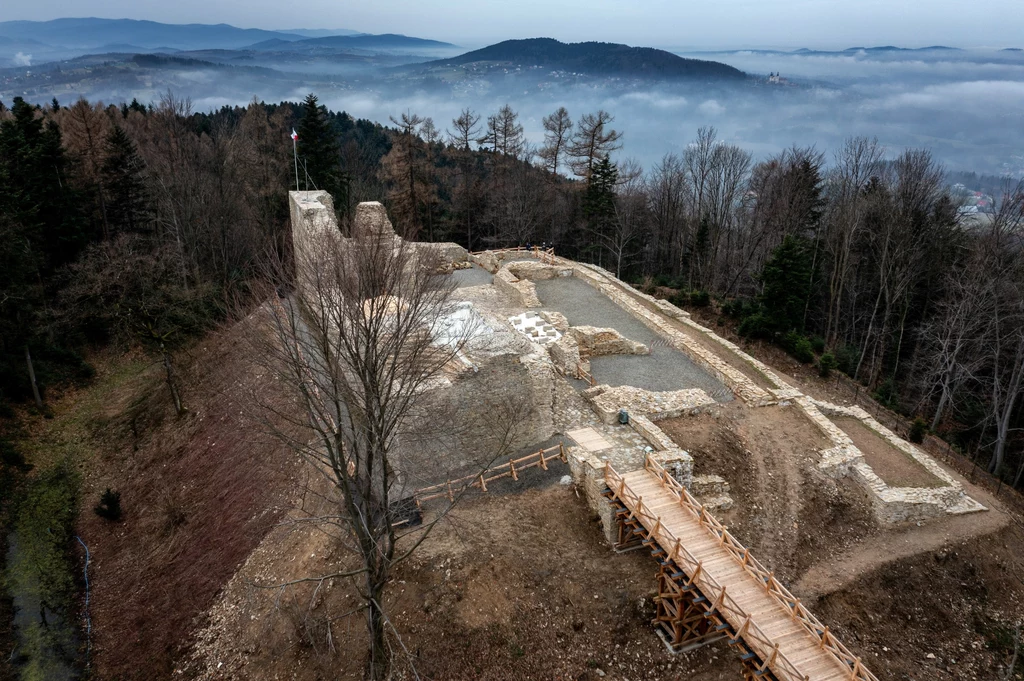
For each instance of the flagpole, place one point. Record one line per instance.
(295, 153)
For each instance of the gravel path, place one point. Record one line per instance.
(475, 276)
(664, 369)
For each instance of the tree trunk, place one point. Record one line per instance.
(179, 408)
(943, 400)
(378, 664)
(32, 378)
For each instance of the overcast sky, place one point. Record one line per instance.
(662, 23)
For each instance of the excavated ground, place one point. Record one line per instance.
(518, 584)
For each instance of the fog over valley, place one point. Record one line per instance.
(966, 105)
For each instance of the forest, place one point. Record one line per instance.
(147, 225)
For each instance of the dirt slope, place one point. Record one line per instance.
(198, 492)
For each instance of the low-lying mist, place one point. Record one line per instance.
(966, 106)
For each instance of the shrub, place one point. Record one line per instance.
(756, 326)
(109, 507)
(700, 298)
(846, 359)
(888, 395)
(918, 429)
(826, 364)
(798, 347)
(818, 343)
(680, 299)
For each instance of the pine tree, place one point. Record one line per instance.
(320, 153)
(786, 279)
(599, 196)
(127, 200)
(41, 229)
(599, 200)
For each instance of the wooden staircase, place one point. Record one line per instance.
(710, 586)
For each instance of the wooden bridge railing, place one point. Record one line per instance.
(754, 567)
(715, 592)
(506, 470)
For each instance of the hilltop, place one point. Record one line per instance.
(386, 41)
(605, 59)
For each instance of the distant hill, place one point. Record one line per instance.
(606, 59)
(91, 33)
(386, 41)
(319, 32)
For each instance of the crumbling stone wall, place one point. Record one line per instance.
(597, 342)
(523, 292)
(607, 401)
(588, 473)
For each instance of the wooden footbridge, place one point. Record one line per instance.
(709, 586)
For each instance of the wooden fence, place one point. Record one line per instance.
(512, 469)
(756, 639)
(546, 256)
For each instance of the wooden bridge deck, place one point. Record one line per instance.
(788, 640)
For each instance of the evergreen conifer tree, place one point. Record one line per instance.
(128, 203)
(599, 196)
(319, 152)
(786, 279)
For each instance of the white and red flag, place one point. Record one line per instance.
(295, 135)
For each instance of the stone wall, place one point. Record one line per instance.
(537, 271)
(890, 504)
(447, 252)
(841, 459)
(588, 472)
(523, 292)
(597, 342)
(565, 354)
(607, 401)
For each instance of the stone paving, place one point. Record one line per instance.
(664, 369)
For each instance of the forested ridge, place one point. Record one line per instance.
(142, 225)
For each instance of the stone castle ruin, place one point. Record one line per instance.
(600, 364)
(584, 349)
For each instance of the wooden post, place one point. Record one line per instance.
(743, 628)
(719, 600)
(451, 495)
(824, 635)
(512, 467)
(543, 463)
(696, 573)
(483, 483)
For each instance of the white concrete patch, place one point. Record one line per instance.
(535, 328)
(461, 324)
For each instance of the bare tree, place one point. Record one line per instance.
(360, 346)
(592, 141)
(1003, 249)
(858, 160)
(557, 135)
(667, 188)
(504, 134)
(407, 171)
(464, 130)
(85, 130)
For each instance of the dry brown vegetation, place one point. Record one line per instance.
(198, 493)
